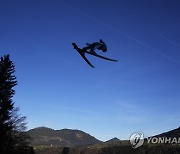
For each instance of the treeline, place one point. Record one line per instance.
(13, 138)
(123, 149)
(156, 149)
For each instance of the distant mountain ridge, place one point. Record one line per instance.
(72, 138)
(63, 137)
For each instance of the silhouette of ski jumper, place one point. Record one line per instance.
(90, 49)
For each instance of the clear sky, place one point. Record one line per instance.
(57, 89)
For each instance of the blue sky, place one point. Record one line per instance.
(57, 89)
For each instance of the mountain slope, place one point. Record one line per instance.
(172, 133)
(64, 137)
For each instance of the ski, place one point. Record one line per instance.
(82, 53)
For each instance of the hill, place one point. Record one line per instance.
(113, 140)
(172, 133)
(63, 137)
(73, 138)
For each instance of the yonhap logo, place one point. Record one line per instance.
(163, 140)
(136, 139)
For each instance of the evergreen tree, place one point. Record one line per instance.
(12, 125)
